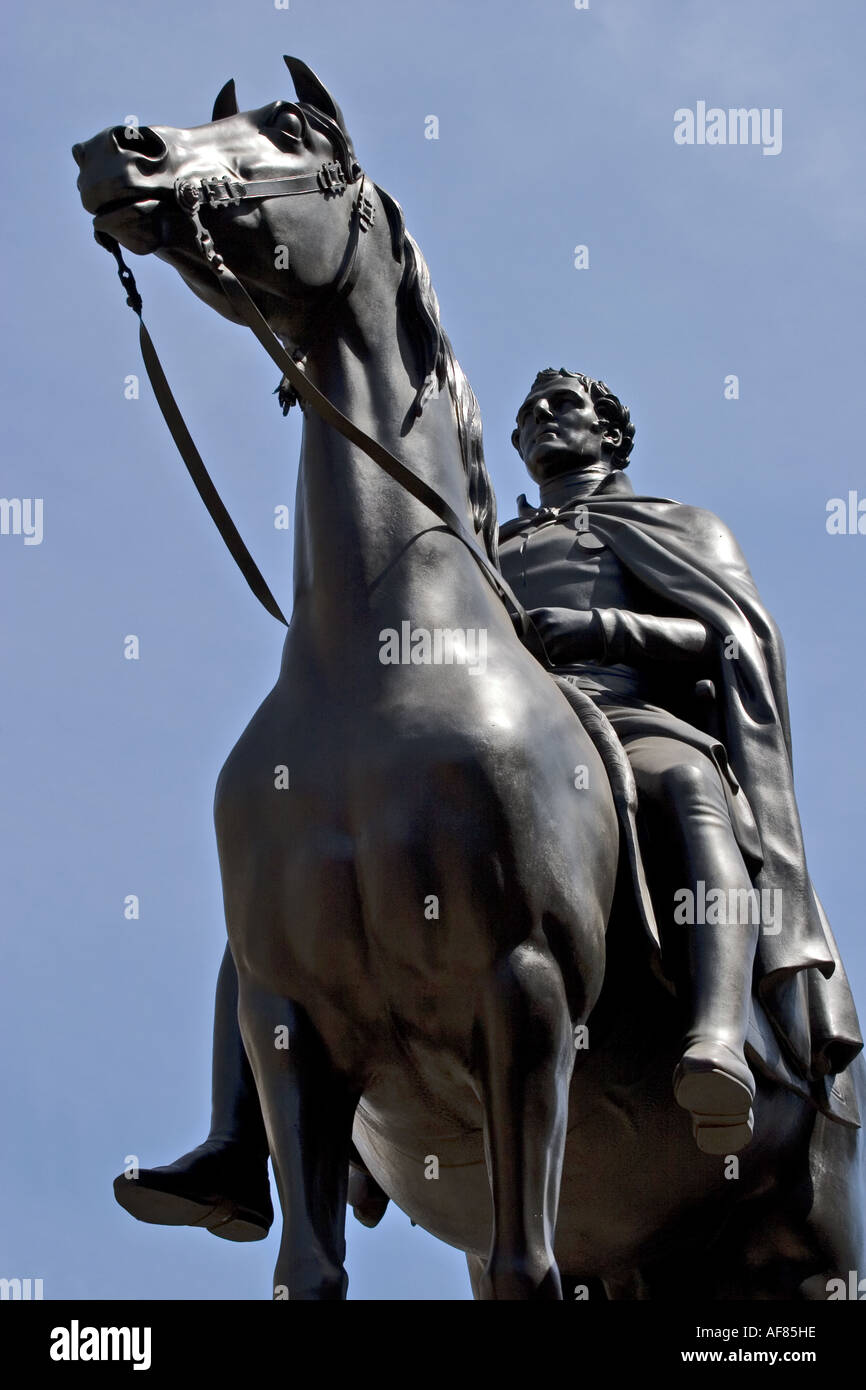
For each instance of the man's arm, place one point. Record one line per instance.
(613, 636)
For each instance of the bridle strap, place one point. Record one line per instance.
(347, 275)
(401, 472)
(223, 190)
(185, 444)
(247, 310)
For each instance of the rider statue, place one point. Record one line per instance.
(647, 607)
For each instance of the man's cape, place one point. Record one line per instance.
(691, 559)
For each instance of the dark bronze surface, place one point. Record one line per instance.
(451, 878)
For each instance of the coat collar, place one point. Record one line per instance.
(614, 485)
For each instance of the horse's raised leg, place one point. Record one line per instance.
(308, 1109)
(525, 1059)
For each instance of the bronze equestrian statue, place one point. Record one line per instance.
(457, 886)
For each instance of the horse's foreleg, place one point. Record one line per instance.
(308, 1109)
(525, 1059)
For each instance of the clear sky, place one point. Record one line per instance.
(556, 129)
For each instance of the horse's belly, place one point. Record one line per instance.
(435, 1171)
(632, 1182)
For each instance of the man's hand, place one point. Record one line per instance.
(569, 635)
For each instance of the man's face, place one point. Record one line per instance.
(558, 430)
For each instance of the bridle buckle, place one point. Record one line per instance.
(217, 192)
(188, 194)
(221, 190)
(331, 178)
(191, 195)
(365, 209)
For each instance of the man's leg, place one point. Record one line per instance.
(683, 802)
(222, 1184)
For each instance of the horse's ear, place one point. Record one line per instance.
(226, 103)
(310, 89)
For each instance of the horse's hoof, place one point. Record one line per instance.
(520, 1280)
(217, 1187)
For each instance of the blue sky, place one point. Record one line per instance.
(555, 129)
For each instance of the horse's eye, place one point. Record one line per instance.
(287, 122)
(290, 124)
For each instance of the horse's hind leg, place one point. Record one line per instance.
(525, 1059)
(308, 1109)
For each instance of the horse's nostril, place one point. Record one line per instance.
(140, 141)
(78, 155)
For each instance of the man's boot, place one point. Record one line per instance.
(691, 841)
(712, 1079)
(223, 1184)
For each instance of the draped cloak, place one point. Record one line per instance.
(690, 558)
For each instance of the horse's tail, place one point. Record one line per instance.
(622, 784)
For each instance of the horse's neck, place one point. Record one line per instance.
(365, 550)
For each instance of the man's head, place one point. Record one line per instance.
(570, 421)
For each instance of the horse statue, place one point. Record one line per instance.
(418, 893)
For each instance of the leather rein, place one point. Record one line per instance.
(329, 180)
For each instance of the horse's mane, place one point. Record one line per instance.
(416, 298)
(437, 365)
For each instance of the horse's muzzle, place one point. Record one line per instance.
(121, 167)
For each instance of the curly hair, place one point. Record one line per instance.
(608, 407)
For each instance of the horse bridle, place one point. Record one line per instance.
(223, 191)
(329, 180)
